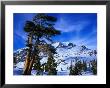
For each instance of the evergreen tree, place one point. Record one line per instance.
(38, 66)
(14, 59)
(45, 29)
(94, 67)
(71, 69)
(29, 26)
(42, 27)
(51, 64)
(76, 70)
(84, 65)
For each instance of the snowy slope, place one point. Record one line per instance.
(66, 52)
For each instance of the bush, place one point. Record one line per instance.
(78, 67)
(76, 70)
(94, 67)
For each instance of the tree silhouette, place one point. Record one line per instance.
(51, 64)
(77, 68)
(84, 65)
(39, 31)
(94, 66)
(29, 28)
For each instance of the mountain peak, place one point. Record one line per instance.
(63, 45)
(66, 52)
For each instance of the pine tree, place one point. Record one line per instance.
(45, 28)
(42, 27)
(71, 69)
(14, 60)
(94, 66)
(29, 26)
(38, 66)
(76, 69)
(51, 64)
(84, 65)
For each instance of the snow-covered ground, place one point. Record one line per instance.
(66, 53)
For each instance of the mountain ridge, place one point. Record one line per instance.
(66, 52)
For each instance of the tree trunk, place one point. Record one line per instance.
(26, 66)
(30, 65)
(28, 58)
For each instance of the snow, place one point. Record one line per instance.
(65, 43)
(60, 73)
(33, 72)
(17, 71)
(64, 57)
(44, 60)
(20, 65)
(87, 73)
(55, 44)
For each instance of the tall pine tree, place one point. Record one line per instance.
(29, 28)
(39, 30)
(51, 64)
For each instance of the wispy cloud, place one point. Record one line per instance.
(66, 26)
(19, 21)
(21, 35)
(19, 32)
(77, 28)
(89, 40)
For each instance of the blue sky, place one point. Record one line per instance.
(78, 28)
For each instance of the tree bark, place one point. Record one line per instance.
(30, 65)
(28, 57)
(26, 66)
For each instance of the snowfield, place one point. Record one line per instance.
(66, 53)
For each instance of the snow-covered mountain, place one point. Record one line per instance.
(66, 53)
